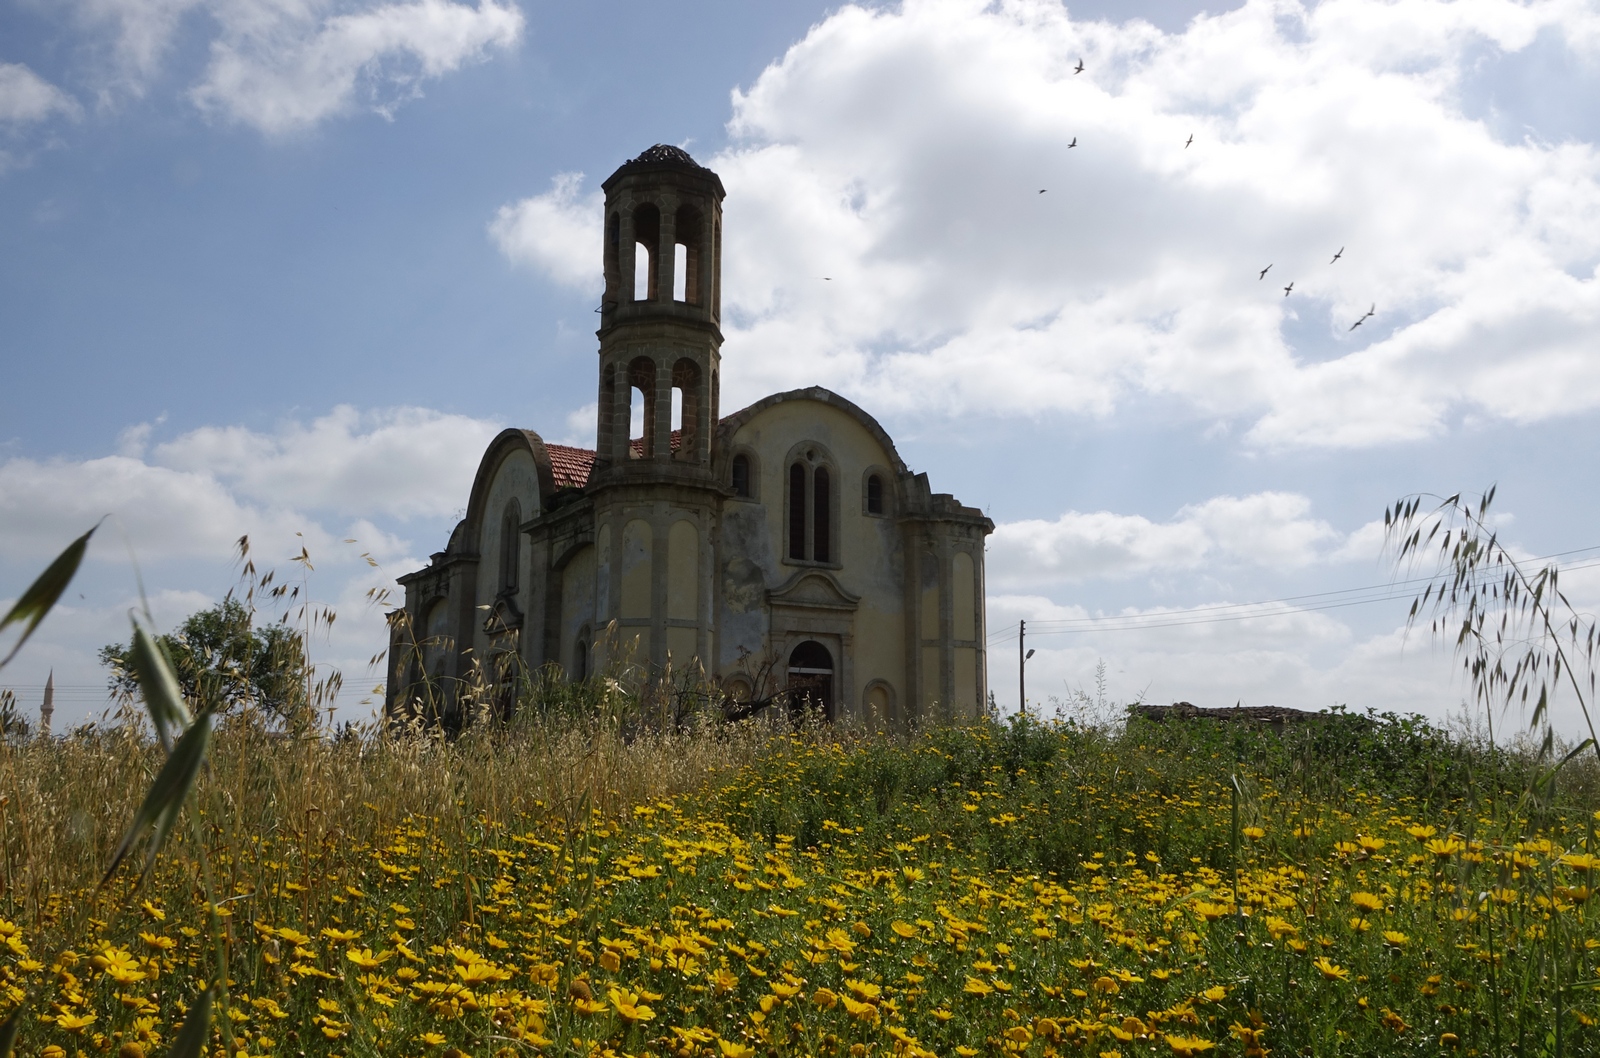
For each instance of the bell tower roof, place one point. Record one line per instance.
(663, 158)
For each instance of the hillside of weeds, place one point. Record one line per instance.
(1358, 885)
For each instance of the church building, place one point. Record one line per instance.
(783, 545)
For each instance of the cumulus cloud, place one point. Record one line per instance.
(902, 152)
(557, 232)
(1270, 529)
(404, 462)
(26, 98)
(282, 66)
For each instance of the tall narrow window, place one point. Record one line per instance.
(642, 378)
(874, 494)
(647, 233)
(510, 553)
(821, 551)
(741, 475)
(680, 272)
(797, 511)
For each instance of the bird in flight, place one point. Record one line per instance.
(1074, 142)
(1080, 67)
(1338, 255)
(1288, 288)
(1042, 190)
(1188, 141)
(1363, 319)
(1264, 272)
(827, 279)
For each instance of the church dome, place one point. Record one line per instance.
(666, 153)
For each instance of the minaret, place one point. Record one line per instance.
(47, 708)
(656, 498)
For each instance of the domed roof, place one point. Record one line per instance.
(664, 152)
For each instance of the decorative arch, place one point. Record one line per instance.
(811, 505)
(505, 443)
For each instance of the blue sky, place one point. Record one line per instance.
(282, 267)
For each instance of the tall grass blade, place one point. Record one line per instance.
(42, 594)
(163, 804)
(196, 1031)
(8, 1032)
(162, 695)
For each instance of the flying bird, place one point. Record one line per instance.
(1338, 255)
(1074, 142)
(1042, 190)
(1364, 319)
(1288, 288)
(1080, 67)
(1264, 272)
(1188, 141)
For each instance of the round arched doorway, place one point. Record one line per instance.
(810, 682)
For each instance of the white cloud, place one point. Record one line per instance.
(1269, 529)
(901, 153)
(557, 232)
(25, 97)
(281, 66)
(404, 462)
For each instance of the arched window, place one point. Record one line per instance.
(810, 682)
(812, 505)
(797, 511)
(647, 236)
(686, 384)
(642, 379)
(821, 516)
(741, 475)
(874, 494)
(510, 552)
(687, 224)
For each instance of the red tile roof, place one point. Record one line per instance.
(570, 466)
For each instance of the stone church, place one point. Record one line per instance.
(783, 546)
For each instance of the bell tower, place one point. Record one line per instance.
(655, 495)
(659, 333)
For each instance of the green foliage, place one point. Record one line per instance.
(222, 660)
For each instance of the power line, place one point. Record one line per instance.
(1218, 613)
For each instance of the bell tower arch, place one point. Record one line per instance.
(656, 499)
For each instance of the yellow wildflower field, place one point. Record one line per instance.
(1018, 889)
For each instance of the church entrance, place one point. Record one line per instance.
(810, 683)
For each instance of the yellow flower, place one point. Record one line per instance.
(859, 1011)
(1394, 938)
(1253, 833)
(1370, 844)
(826, 998)
(864, 989)
(731, 1049)
(1187, 1046)
(1215, 994)
(903, 929)
(1444, 848)
(629, 1005)
(977, 986)
(366, 960)
(340, 935)
(432, 1039)
(1331, 971)
(588, 1007)
(1422, 833)
(74, 1022)
(163, 943)
(1209, 911)
(1367, 902)
(1582, 862)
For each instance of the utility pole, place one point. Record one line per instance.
(1022, 666)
